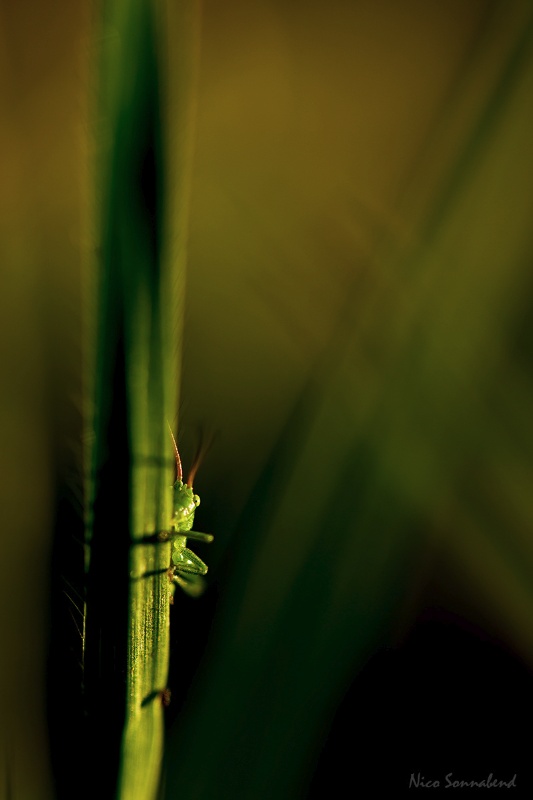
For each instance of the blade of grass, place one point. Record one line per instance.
(139, 298)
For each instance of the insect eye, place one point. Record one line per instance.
(196, 500)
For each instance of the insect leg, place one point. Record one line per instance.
(200, 537)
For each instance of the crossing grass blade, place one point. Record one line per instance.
(417, 426)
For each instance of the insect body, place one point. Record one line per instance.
(187, 568)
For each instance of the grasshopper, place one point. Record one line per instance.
(187, 569)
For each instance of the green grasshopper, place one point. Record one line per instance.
(187, 569)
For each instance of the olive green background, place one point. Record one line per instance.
(357, 335)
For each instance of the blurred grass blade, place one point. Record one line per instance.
(373, 456)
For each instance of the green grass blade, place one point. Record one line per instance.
(139, 304)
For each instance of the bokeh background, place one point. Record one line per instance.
(357, 338)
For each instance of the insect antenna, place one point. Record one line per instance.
(203, 448)
(179, 470)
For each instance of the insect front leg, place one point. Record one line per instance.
(187, 568)
(185, 561)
